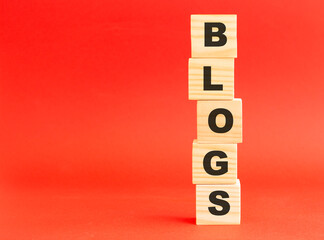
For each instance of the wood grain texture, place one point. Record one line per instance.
(203, 215)
(206, 135)
(222, 72)
(200, 176)
(198, 49)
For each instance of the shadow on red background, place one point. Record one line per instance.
(96, 126)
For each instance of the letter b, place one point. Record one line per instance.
(209, 34)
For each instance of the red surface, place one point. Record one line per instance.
(96, 128)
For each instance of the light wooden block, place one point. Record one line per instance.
(198, 48)
(206, 209)
(205, 121)
(222, 74)
(214, 163)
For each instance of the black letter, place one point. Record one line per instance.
(212, 120)
(213, 199)
(220, 34)
(223, 164)
(207, 81)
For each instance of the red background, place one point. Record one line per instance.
(96, 126)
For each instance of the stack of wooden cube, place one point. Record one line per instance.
(219, 119)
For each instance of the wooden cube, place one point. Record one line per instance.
(219, 121)
(211, 79)
(218, 204)
(214, 163)
(213, 36)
